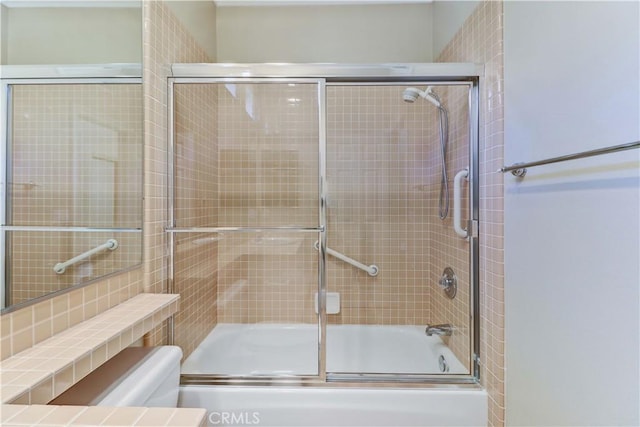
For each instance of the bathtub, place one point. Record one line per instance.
(282, 349)
(327, 406)
(262, 349)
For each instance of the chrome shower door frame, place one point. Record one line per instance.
(325, 75)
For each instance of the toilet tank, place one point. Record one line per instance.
(137, 376)
(154, 382)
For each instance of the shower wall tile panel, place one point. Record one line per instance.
(196, 204)
(267, 278)
(447, 248)
(480, 40)
(268, 135)
(379, 170)
(268, 177)
(165, 41)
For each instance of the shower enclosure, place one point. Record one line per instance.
(305, 231)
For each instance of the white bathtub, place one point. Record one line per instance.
(291, 349)
(265, 349)
(324, 406)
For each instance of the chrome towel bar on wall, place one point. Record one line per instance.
(520, 169)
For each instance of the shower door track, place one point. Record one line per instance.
(338, 75)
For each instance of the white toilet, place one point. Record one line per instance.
(137, 376)
(153, 383)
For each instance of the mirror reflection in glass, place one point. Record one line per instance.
(72, 154)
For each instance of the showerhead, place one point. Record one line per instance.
(410, 94)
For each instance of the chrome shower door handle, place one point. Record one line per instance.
(457, 202)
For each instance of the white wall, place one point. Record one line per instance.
(348, 34)
(572, 230)
(68, 35)
(448, 17)
(3, 33)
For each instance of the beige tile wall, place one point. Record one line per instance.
(378, 167)
(93, 134)
(383, 174)
(31, 325)
(480, 40)
(196, 204)
(268, 136)
(267, 277)
(268, 166)
(447, 248)
(165, 41)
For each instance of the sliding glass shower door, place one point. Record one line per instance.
(245, 220)
(384, 169)
(324, 228)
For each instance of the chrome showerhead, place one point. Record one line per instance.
(410, 94)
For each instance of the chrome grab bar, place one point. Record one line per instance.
(520, 169)
(110, 244)
(372, 270)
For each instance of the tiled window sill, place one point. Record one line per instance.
(44, 371)
(50, 415)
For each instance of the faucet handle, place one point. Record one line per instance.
(449, 282)
(445, 282)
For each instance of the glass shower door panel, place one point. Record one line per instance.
(384, 170)
(262, 288)
(246, 166)
(246, 155)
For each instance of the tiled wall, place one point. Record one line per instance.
(92, 136)
(383, 173)
(31, 325)
(196, 205)
(480, 40)
(447, 249)
(165, 41)
(379, 166)
(268, 155)
(268, 167)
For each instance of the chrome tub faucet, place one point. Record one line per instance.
(444, 329)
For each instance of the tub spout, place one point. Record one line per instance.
(444, 329)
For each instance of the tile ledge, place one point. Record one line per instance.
(34, 415)
(42, 372)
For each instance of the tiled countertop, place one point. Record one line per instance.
(49, 415)
(42, 372)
